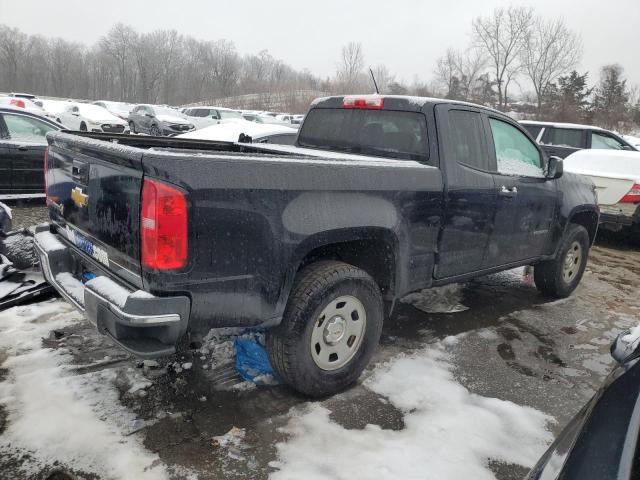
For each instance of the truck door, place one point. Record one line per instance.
(469, 196)
(562, 142)
(526, 198)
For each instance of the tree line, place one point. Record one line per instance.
(162, 66)
(511, 46)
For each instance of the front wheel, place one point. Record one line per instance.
(330, 329)
(155, 131)
(560, 277)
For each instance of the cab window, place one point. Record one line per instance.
(515, 153)
(601, 141)
(464, 139)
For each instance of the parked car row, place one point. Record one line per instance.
(610, 160)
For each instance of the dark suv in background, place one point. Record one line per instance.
(563, 139)
(158, 121)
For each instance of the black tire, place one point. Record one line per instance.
(555, 277)
(132, 128)
(289, 344)
(83, 127)
(155, 131)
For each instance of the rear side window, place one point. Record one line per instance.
(515, 153)
(534, 130)
(464, 142)
(384, 133)
(605, 142)
(564, 137)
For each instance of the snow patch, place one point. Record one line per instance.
(53, 416)
(49, 242)
(518, 168)
(109, 290)
(449, 432)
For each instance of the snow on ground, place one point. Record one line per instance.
(449, 432)
(60, 416)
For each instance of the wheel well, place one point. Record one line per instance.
(375, 257)
(588, 220)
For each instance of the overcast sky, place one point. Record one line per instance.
(406, 35)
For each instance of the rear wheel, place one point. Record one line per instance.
(560, 277)
(330, 329)
(83, 127)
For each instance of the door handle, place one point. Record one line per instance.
(508, 191)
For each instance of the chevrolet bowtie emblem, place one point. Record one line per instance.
(79, 198)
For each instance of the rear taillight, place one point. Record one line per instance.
(163, 226)
(46, 174)
(371, 103)
(633, 195)
(17, 103)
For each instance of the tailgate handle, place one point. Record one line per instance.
(75, 170)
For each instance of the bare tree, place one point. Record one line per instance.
(350, 66)
(448, 73)
(14, 46)
(501, 35)
(471, 65)
(118, 43)
(383, 77)
(551, 49)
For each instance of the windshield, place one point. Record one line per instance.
(384, 133)
(167, 111)
(118, 106)
(229, 114)
(94, 110)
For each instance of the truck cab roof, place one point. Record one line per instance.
(393, 102)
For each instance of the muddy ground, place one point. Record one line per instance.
(514, 344)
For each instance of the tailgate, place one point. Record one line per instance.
(93, 193)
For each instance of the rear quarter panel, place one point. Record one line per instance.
(254, 218)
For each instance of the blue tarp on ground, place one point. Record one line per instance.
(252, 360)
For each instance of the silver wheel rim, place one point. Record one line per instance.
(337, 332)
(572, 262)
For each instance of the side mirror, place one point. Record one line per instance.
(554, 168)
(625, 347)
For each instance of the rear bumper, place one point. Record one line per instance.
(615, 217)
(145, 325)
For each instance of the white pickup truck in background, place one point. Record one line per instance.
(616, 175)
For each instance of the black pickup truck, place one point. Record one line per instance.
(381, 196)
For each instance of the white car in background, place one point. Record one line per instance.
(54, 108)
(205, 116)
(91, 118)
(119, 109)
(24, 104)
(635, 141)
(616, 175)
(239, 131)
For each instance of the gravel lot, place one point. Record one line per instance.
(201, 421)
